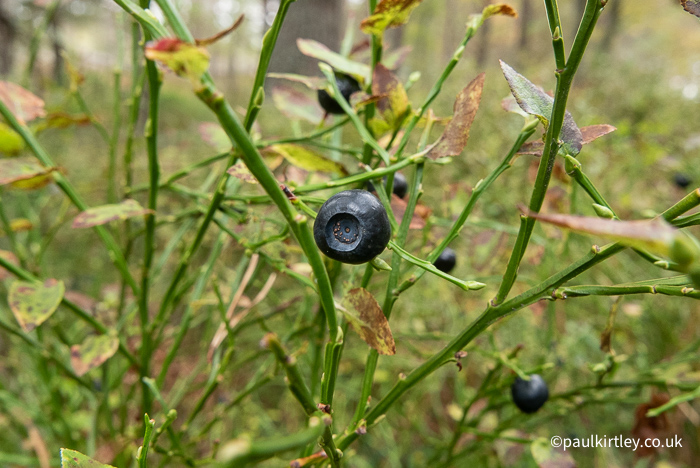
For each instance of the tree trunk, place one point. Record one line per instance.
(321, 20)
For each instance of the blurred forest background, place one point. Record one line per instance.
(641, 73)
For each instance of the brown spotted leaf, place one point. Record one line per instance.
(104, 214)
(655, 235)
(388, 14)
(10, 258)
(392, 105)
(17, 169)
(240, 171)
(296, 105)
(73, 459)
(366, 317)
(454, 139)
(92, 352)
(24, 105)
(316, 50)
(33, 303)
(692, 7)
(536, 102)
(185, 59)
(547, 456)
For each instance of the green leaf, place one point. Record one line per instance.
(103, 214)
(548, 457)
(388, 14)
(73, 459)
(185, 59)
(296, 105)
(17, 169)
(454, 139)
(366, 317)
(305, 158)
(536, 102)
(92, 352)
(393, 105)
(24, 105)
(215, 135)
(318, 51)
(33, 303)
(10, 141)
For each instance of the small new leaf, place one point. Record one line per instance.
(388, 14)
(366, 317)
(103, 214)
(183, 58)
(536, 102)
(33, 303)
(454, 139)
(73, 459)
(92, 352)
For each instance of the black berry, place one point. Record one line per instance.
(681, 180)
(352, 227)
(446, 261)
(529, 395)
(400, 185)
(347, 86)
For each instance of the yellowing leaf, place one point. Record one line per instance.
(103, 214)
(499, 9)
(16, 169)
(10, 141)
(73, 459)
(92, 352)
(388, 14)
(24, 105)
(318, 51)
(19, 225)
(33, 303)
(183, 58)
(305, 158)
(393, 105)
(454, 139)
(366, 317)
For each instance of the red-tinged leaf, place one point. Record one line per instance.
(24, 105)
(11, 142)
(92, 352)
(215, 136)
(183, 58)
(240, 171)
(11, 258)
(454, 139)
(104, 214)
(306, 158)
(692, 7)
(656, 235)
(388, 14)
(296, 105)
(311, 82)
(319, 51)
(33, 303)
(593, 132)
(393, 106)
(366, 317)
(536, 102)
(73, 459)
(421, 213)
(547, 456)
(16, 169)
